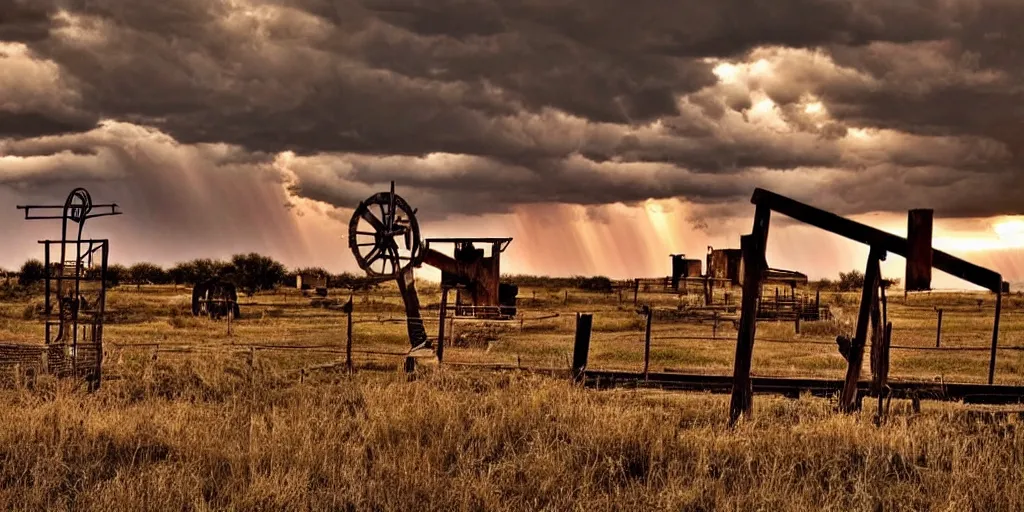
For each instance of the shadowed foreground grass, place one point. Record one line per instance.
(208, 434)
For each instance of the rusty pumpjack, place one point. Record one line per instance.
(384, 236)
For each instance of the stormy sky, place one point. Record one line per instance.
(602, 135)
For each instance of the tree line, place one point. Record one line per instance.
(251, 273)
(850, 281)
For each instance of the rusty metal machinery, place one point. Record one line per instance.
(384, 237)
(75, 278)
(215, 298)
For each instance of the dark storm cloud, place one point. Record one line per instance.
(484, 105)
(24, 20)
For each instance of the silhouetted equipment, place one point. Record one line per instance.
(385, 239)
(919, 251)
(77, 282)
(215, 298)
(683, 268)
(474, 276)
(724, 264)
(916, 249)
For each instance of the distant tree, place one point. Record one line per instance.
(850, 281)
(142, 273)
(32, 272)
(854, 281)
(117, 274)
(254, 272)
(825, 284)
(353, 282)
(198, 270)
(596, 284)
(890, 282)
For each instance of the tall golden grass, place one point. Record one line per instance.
(210, 433)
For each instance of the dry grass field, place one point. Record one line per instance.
(184, 421)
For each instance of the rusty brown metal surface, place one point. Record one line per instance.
(725, 264)
(919, 250)
(75, 282)
(477, 275)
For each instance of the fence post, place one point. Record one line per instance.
(938, 330)
(881, 377)
(752, 247)
(647, 341)
(995, 338)
(797, 321)
(348, 334)
(636, 290)
(848, 399)
(581, 346)
(440, 324)
(714, 326)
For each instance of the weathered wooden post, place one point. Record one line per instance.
(347, 308)
(581, 345)
(440, 324)
(714, 325)
(995, 336)
(848, 398)
(817, 304)
(636, 290)
(231, 315)
(880, 378)
(877, 329)
(752, 247)
(796, 321)
(938, 329)
(647, 341)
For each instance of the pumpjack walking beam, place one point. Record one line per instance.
(880, 243)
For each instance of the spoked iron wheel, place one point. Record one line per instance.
(384, 235)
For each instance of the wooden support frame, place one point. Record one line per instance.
(754, 266)
(848, 400)
(881, 243)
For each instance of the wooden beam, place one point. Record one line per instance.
(647, 340)
(440, 324)
(413, 321)
(581, 345)
(995, 340)
(848, 397)
(876, 238)
(754, 265)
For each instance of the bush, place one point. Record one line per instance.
(116, 274)
(851, 281)
(254, 272)
(142, 273)
(32, 272)
(595, 284)
(199, 270)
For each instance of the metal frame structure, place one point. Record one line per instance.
(920, 254)
(79, 321)
(479, 277)
(394, 241)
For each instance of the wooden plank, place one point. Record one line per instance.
(581, 345)
(868, 235)
(848, 397)
(918, 275)
(995, 340)
(647, 341)
(440, 324)
(753, 247)
(414, 323)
